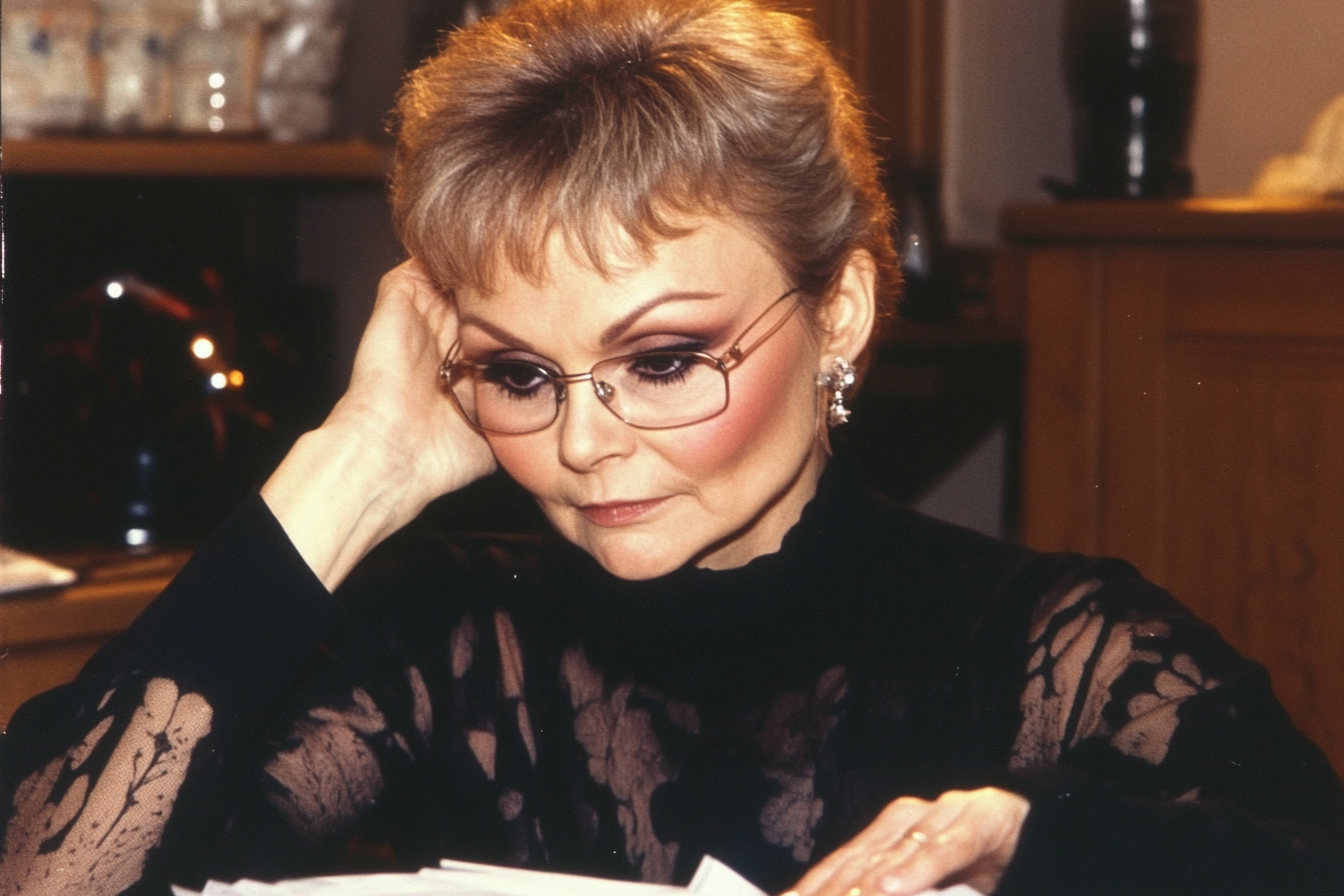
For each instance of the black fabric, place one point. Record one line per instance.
(507, 700)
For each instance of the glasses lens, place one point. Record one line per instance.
(658, 390)
(506, 396)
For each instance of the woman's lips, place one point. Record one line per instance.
(619, 513)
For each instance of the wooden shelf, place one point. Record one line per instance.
(224, 158)
(1232, 220)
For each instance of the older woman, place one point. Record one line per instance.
(647, 248)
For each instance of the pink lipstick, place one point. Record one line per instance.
(619, 513)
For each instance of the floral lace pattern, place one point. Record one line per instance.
(1093, 676)
(86, 833)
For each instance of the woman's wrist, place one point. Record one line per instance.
(338, 493)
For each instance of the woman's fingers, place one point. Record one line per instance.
(939, 847)
(844, 867)
(396, 407)
(963, 837)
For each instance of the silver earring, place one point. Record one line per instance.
(836, 380)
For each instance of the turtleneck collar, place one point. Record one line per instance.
(687, 631)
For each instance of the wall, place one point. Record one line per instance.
(1005, 116)
(1268, 67)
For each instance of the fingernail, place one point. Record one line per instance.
(890, 884)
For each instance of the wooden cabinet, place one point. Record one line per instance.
(1185, 411)
(47, 636)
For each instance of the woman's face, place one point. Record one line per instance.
(644, 502)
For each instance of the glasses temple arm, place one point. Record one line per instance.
(737, 354)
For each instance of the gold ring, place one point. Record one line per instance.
(919, 837)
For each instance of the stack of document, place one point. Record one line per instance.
(454, 878)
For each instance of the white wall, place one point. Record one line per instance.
(1005, 119)
(1267, 67)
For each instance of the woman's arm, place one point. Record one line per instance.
(141, 771)
(393, 443)
(1150, 757)
(160, 722)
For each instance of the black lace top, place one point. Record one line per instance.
(509, 701)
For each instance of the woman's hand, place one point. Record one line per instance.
(962, 837)
(393, 443)
(396, 403)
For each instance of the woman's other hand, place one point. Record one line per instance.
(393, 443)
(962, 837)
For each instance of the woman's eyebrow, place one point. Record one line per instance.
(609, 335)
(617, 329)
(499, 334)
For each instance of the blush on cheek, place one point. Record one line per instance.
(524, 460)
(758, 413)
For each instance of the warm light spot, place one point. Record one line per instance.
(217, 101)
(115, 290)
(218, 381)
(216, 80)
(202, 347)
(137, 537)
(216, 123)
(235, 378)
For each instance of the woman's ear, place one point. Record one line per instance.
(850, 315)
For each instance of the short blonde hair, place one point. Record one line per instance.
(574, 116)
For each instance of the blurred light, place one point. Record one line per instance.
(115, 290)
(216, 80)
(137, 538)
(218, 381)
(202, 347)
(217, 101)
(216, 123)
(235, 378)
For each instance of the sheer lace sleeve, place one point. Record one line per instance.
(1157, 758)
(95, 774)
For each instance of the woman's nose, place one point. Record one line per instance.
(589, 431)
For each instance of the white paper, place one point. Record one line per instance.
(454, 878)
(20, 571)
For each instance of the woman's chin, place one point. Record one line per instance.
(635, 565)
(634, 555)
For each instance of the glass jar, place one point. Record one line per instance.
(137, 36)
(215, 66)
(300, 64)
(48, 67)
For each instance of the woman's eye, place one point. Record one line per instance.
(662, 366)
(517, 378)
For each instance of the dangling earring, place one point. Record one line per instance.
(836, 380)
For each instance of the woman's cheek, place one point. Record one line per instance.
(759, 413)
(524, 460)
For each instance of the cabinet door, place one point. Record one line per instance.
(1186, 412)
